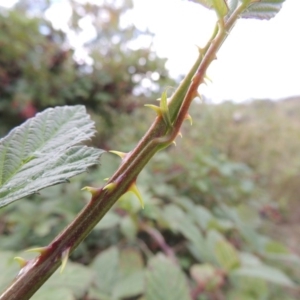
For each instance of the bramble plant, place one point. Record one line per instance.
(44, 151)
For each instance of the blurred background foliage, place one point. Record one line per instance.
(41, 67)
(220, 217)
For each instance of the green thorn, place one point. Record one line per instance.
(155, 108)
(93, 191)
(64, 259)
(110, 186)
(133, 188)
(40, 250)
(22, 262)
(188, 117)
(120, 154)
(164, 108)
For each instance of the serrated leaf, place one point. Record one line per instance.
(264, 9)
(267, 273)
(43, 152)
(165, 281)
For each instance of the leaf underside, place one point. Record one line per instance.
(258, 9)
(264, 10)
(44, 151)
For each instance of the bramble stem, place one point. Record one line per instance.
(159, 135)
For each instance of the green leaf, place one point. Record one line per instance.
(10, 266)
(129, 228)
(220, 7)
(130, 286)
(110, 220)
(42, 152)
(131, 261)
(274, 247)
(73, 283)
(173, 215)
(227, 255)
(106, 266)
(224, 252)
(59, 293)
(264, 9)
(265, 272)
(202, 216)
(202, 273)
(165, 280)
(207, 276)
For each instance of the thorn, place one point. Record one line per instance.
(199, 96)
(188, 117)
(133, 188)
(64, 259)
(157, 109)
(120, 154)
(174, 143)
(22, 262)
(207, 78)
(106, 179)
(180, 134)
(41, 250)
(201, 50)
(110, 186)
(92, 190)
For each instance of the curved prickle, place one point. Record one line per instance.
(110, 186)
(41, 250)
(119, 153)
(92, 190)
(22, 262)
(133, 188)
(64, 259)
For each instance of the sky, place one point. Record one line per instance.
(259, 59)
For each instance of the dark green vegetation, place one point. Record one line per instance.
(213, 206)
(37, 69)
